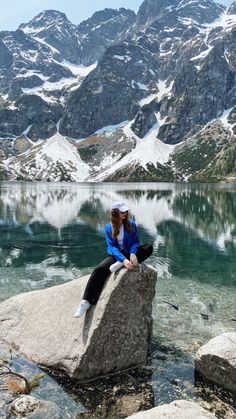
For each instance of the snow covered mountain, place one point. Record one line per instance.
(146, 97)
(43, 61)
(55, 159)
(79, 44)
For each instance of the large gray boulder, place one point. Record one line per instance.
(217, 360)
(112, 336)
(179, 409)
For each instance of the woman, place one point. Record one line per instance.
(124, 249)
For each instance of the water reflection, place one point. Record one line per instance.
(207, 210)
(192, 227)
(211, 213)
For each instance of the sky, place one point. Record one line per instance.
(15, 12)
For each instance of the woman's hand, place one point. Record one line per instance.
(128, 264)
(133, 259)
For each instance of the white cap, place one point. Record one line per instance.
(120, 206)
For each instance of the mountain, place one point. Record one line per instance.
(162, 43)
(79, 44)
(43, 60)
(102, 30)
(55, 159)
(150, 96)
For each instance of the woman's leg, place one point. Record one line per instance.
(97, 280)
(143, 252)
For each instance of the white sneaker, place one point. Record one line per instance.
(116, 266)
(83, 307)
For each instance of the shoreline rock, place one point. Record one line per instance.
(178, 409)
(29, 406)
(113, 336)
(216, 360)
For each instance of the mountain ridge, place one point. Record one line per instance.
(161, 81)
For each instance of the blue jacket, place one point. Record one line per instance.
(131, 242)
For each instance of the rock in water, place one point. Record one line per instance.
(179, 409)
(33, 407)
(217, 360)
(111, 337)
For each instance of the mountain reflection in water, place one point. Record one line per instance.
(192, 228)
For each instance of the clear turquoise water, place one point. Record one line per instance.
(53, 233)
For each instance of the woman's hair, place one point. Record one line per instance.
(115, 221)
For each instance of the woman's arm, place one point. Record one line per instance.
(112, 245)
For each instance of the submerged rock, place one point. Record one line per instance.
(114, 335)
(179, 409)
(25, 404)
(217, 360)
(31, 407)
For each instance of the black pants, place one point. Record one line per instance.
(99, 275)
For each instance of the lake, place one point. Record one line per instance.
(52, 233)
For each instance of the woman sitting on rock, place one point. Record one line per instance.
(124, 249)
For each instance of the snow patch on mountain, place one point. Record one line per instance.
(25, 133)
(39, 91)
(47, 161)
(187, 21)
(58, 149)
(30, 55)
(203, 54)
(110, 128)
(63, 83)
(164, 89)
(29, 73)
(137, 84)
(45, 90)
(41, 41)
(148, 150)
(224, 119)
(225, 21)
(79, 70)
(147, 99)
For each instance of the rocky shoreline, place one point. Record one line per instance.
(120, 395)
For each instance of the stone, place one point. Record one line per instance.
(127, 405)
(179, 409)
(216, 360)
(24, 405)
(33, 408)
(114, 408)
(112, 336)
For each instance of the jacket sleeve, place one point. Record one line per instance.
(135, 240)
(112, 245)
